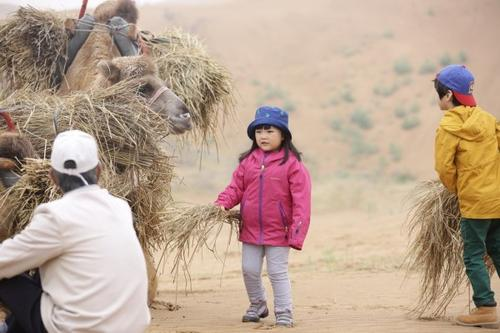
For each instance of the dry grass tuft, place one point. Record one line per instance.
(203, 84)
(190, 228)
(436, 248)
(31, 42)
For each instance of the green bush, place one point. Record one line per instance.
(336, 124)
(395, 152)
(400, 112)
(402, 66)
(385, 90)
(410, 122)
(388, 34)
(428, 67)
(415, 108)
(403, 177)
(289, 106)
(445, 60)
(346, 96)
(359, 146)
(362, 118)
(462, 57)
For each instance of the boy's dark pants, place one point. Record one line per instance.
(21, 295)
(481, 236)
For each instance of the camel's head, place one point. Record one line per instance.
(14, 149)
(160, 98)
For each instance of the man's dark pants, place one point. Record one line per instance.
(21, 296)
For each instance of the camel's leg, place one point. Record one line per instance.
(152, 278)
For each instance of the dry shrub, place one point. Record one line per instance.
(436, 248)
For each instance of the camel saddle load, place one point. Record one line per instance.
(128, 88)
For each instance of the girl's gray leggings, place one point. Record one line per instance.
(277, 269)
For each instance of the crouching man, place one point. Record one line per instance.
(91, 270)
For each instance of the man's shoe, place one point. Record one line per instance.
(483, 316)
(255, 312)
(284, 319)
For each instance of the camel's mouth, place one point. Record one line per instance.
(181, 124)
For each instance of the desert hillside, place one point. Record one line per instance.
(355, 76)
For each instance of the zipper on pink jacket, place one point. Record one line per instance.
(261, 190)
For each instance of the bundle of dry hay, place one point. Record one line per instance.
(18, 202)
(436, 248)
(189, 228)
(201, 82)
(31, 42)
(129, 136)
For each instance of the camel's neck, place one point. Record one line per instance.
(83, 72)
(101, 46)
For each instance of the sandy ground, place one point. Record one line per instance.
(347, 279)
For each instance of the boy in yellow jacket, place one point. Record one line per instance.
(467, 160)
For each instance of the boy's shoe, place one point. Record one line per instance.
(484, 316)
(255, 312)
(284, 319)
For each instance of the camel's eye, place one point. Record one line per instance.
(146, 89)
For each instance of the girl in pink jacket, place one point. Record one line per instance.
(273, 189)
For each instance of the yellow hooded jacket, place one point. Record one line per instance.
(468, 160)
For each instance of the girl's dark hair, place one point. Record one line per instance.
(442, 90)
(287, 145)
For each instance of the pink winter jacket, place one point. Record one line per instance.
(275, 200)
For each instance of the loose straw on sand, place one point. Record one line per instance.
(191, 228)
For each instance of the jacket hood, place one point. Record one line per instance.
(469, 123)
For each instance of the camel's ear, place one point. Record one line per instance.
(70, 27)
(109, 70)
(133, 31)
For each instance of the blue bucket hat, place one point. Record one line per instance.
(269, 115)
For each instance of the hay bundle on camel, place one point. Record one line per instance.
(202, 83)
(436, 248)
(129, 134)
(32, 41)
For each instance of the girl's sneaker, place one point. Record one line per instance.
(284, 318)
(255, 312)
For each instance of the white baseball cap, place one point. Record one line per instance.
(76, 146)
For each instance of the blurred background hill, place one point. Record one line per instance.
(356, 77)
